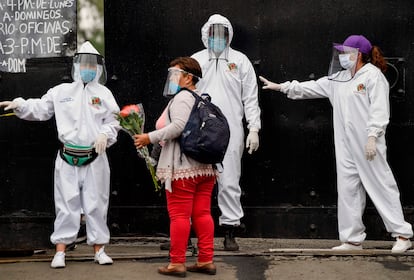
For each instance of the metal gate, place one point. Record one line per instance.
(289, 185)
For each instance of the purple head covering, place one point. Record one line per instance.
(358, 42)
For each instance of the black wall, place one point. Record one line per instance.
(28, 150)
(289, 185)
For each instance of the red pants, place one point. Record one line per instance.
(191, 198)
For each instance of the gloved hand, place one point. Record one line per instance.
(371, 148)
(100, 143)
(270, 85)
(8, 105)
(252, 140)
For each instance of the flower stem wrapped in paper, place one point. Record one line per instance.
(132, 120)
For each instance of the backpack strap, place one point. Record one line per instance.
(196, 96)
(204, 96)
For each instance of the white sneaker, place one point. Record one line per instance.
(401, 245)
(347, 247)
(102, 258)
(58, 260)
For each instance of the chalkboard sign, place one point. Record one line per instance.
(35, 29)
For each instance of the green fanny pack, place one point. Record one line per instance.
(77, 155)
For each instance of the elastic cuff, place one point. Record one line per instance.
(284, 87)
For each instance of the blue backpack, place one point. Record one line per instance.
(206, 134)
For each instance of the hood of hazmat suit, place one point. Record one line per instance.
(88, 65)
(217, 34)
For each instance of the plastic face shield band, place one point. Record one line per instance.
(218, 40)
(343, 63)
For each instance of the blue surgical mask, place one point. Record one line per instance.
(174, 88)
(87, 75)
(217, 45)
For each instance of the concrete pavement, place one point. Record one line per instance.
(138, 258)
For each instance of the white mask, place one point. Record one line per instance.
(345, 61)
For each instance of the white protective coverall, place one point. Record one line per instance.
(232, 85)
(82, 112)
(360, 109)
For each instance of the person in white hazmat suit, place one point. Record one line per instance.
(230, 79)
(85, 118)
(359, 94)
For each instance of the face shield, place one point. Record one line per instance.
(343, 63)
(218, 40)
(89, 67)
(172, 84)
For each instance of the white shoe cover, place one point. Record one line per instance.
(102, 258)
(58, 260)
(347, 247)
(401, 245)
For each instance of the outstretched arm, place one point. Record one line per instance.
(8, 105)
(269, 85)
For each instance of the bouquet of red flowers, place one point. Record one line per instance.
(132, 120)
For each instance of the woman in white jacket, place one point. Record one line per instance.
(359, 94)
